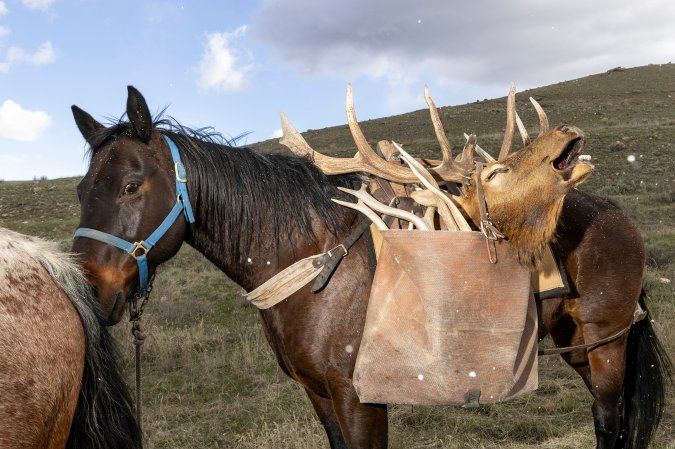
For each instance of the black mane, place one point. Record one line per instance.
(280, 192)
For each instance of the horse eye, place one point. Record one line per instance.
(131, 188)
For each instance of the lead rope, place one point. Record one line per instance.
(135, 313)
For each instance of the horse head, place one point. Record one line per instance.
(523, 190)
(126, 194)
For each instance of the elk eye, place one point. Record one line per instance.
(496, 171)
(131, 188)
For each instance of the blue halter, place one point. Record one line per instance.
(139, 250)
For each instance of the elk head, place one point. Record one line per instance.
(524, 190)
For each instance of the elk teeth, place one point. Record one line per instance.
(585, 157)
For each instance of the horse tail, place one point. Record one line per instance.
(104, 415)
(648, 370)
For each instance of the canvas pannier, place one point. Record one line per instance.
(445, 325)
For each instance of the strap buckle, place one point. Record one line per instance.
(488, 229)
(181, 174)
(138, 246)
(330, 251)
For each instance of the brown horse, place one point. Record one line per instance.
(60, 385)
(604, 256)
(255, 215)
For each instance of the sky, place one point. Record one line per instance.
(235, 65)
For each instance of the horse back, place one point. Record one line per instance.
(603, 253)
(41, 352)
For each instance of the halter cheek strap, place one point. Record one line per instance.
(139, 250)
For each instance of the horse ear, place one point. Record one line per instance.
(87, 124)
(139, 114)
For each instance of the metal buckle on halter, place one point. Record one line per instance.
(181, 174)
(137, 246)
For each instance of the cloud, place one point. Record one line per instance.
(4, 31)
(465, 40)
(17, 123)
(3, 8)
(277, 133)
(45, 54)
(221, 67)
(42, 5)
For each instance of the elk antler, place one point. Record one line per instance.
(446, 149)
(465, 159)
(523, 131)
(366, 160)
(481, 152)
(543, 120)
(364, 197)
(508, 136)
(429, 200)
(456, 220)
(365, 210)
(510, 123)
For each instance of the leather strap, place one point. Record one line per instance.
(588, 346)
(491, 233)
(386, 188)
(331, 259)
(638, 315)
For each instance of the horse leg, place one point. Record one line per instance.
(324, 409)
(602, 370)
(607, 365)
(363, 426)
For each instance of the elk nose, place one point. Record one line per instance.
(572, 130)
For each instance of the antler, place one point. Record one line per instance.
(363, 196)
(446, 149)
(508, 135)
(523, 131)
(510, 123)
(543, 120)
(365, 210)
(481, 152)
(366, 160)
(455, 220)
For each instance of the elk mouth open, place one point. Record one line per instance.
(568, 158)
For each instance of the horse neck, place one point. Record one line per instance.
(241, 233)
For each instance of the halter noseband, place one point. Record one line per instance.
(139, 250)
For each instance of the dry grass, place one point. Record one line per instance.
(211, 381)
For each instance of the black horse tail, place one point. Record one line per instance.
(104, 418)
(648, 370)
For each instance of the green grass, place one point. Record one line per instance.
(210, 379)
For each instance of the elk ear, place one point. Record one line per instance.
(87, 124)
(139, 114)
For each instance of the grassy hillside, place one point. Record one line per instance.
(211, 380)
